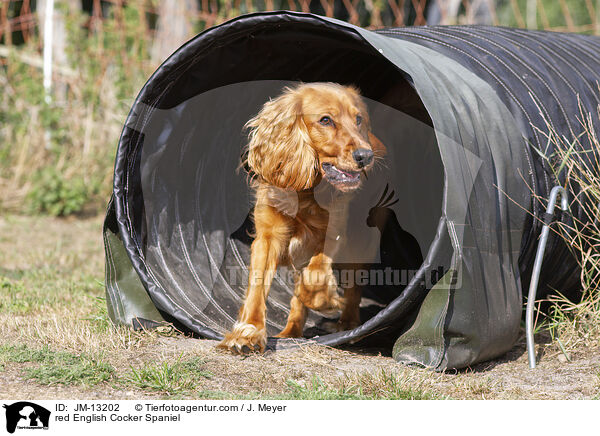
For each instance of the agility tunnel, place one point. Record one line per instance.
(463, 113)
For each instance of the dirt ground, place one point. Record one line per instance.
(505, 378)
(73, 251)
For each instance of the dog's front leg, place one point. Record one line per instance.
(272, 233)
(316, 288)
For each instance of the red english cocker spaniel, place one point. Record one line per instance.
(311, 133)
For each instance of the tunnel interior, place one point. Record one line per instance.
(190, 203)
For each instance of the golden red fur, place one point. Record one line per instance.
(310, 133)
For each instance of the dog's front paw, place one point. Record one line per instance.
(318, 291)
(244, 339)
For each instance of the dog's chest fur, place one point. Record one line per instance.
(308, 231)
(315, 228)
(312, 226)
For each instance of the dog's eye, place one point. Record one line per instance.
(326, 121)
(358, 120)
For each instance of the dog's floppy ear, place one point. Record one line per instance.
(279, 150)
(377, 146)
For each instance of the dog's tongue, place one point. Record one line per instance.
(350, 175)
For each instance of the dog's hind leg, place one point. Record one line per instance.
(295, 321)
(350, 317)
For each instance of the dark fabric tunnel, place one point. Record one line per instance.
(463, 112)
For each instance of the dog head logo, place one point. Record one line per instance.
(26, 415)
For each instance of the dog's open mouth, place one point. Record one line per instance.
(338, 176)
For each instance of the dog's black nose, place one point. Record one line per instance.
(362, 156)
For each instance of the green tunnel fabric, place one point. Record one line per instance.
(483, 157)
(126, 297)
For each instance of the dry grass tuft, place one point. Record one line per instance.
(576, 325)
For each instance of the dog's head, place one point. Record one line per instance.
(313, 132)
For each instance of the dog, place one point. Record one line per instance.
(311, 133)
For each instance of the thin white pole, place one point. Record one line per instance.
(597, 17)
(48, 39)
(532, 14)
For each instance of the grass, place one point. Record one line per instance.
(549, 14)
(180, 377)
(57, 367)
(183, 378)
(60, 367)
(574, 325)
(56, 156)
(54, 331)
(40, 290)
(384, 385)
